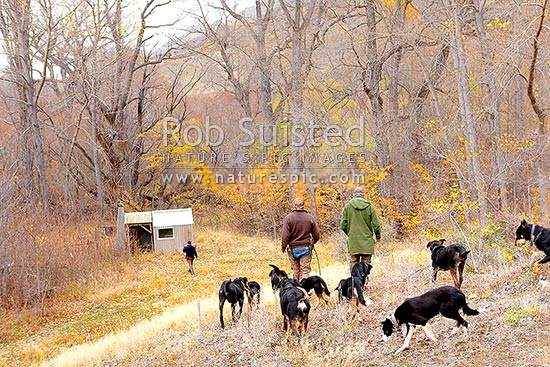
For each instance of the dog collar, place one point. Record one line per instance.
(394, 321)
(395, 325)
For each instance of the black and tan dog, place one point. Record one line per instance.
(254, 293)
(277, 276)
(419, 310)
(452, 258)
(316, 284)
(537, 235)
(352, 288)
(233, 292)
(295, 308)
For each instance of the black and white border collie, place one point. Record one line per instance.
(419, 310)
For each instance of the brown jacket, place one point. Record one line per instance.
(299, 228)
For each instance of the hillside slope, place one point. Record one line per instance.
(514, 329)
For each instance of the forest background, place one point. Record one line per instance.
(438, 108)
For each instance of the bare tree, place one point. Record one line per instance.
(307, 25)
(494, 104)
(108, 70)
(119, 145)
(221, 48)
(24, 34)
(541, 115)
(471, 145)
(257, 30)
(377, 44)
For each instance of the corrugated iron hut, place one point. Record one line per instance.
(162, 231)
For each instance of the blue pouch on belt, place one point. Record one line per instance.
(300, 252)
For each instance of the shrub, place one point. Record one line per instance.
(42, 254)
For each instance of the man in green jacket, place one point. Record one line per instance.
(361, 224)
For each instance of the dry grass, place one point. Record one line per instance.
(181, 327)
(139, 290)
(495, 339)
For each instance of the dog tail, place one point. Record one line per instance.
(469, 311)
(277, 270)
(325, 287)
(463, 252)
(339, 289)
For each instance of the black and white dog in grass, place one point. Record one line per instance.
(316, 284)
(351, 288)
(419, 310)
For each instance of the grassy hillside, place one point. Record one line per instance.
(153, 313)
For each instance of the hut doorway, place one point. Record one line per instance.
(141, 238)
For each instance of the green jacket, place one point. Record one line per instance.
(361, 224)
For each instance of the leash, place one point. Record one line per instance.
(317, 257)
(414, 273)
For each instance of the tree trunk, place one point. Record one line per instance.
(264, 66)
(371, 77)
(40, 160)
(16, 26)
(296, 106)
(296, 87)
(466, 110)
(95, 157)
(26, 144)
(494, 105)
(431, 80)
(301, 24)
(400, 155)
(542, 180)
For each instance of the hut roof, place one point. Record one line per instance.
(172, 217)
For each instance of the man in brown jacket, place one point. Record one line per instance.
(300, 233)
